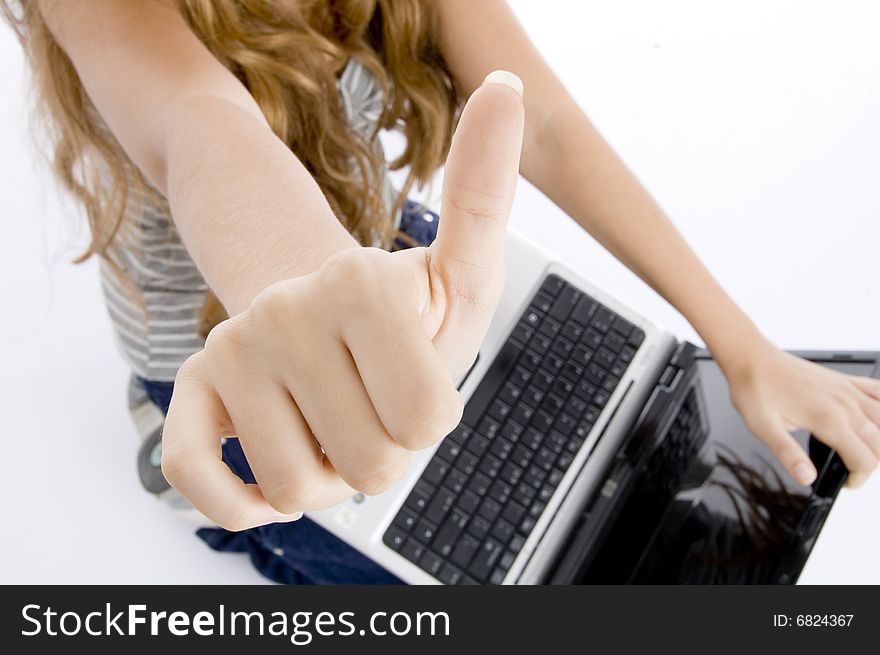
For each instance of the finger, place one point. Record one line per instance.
(191, 455)
(287, 462)
(336, 406)
(417, 404)
(788, 451)
(868, 428)
(869, 385)
(480, 179)
(855, 453)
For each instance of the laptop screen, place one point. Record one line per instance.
(737, 516)
(708, 504)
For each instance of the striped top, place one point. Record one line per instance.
(157, 335)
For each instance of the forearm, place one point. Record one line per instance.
(574, 166)
(248, 211)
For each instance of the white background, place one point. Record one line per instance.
(756, 124)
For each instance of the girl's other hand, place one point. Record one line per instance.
(331, 379)
(778, 393)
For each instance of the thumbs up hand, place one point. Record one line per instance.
(331, 379)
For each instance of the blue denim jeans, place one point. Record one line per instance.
(301, 552)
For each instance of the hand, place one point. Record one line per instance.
(777, 393)
(330, 380)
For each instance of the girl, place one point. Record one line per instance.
(226, 155)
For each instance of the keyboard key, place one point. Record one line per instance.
(478, 444)
(552, 363)
(530, 360)
(440, 505)
(604, 358)
(489, 427)
(489, 509)
(485, 559)
(549, 328)
(636, 337)
(513, 513)
(420, 496)
(532, 397)
(435, 471)
(524, 493)
(522, 333)
(424, 531)
(450, 532)
(448, 451)
(622, 326)
(583, 311)
(533, 439)
(469, 502)
(521, 456)
(534, 476)
(602, 319)
(510, 474)
(543, 302)
(555, 477)
(562, 347)
(543, 380)
(480, 484)
(582, 355)
(490, 466)
(537, 509)
(431, 562)
(412, 550)
(572, 331)
(609, 384)
(592, 339)
(613, 341)
(516, 544)
(456, 480)
(406, 519)
(545, 458)
(497, 576)
(562, 388)
(522, 414)
(459, 435)
(506, 561)
(565, 424)
(503, 531)
(626, 354)
(552, 285)
(565, 302)
(601, 398)
(520, 377)
(510, 394)
(572, 371)
(501, 448)
(394, 538)
(499, 411)
(466, 463)
(552, 404)
(450, 574)
(594, 373)
(479, 527)
(585, 390)
(557, 441)
(541, 343)
(542, 421)
(500, 491)
(528, 523)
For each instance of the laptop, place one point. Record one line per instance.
(592, 442)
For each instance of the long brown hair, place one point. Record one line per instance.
(288, 54)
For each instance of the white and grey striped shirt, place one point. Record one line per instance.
(156, 336)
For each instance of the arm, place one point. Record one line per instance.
(201, 140)
(565, 157)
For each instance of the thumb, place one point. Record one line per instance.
(479, 182)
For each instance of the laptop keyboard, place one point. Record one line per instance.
(478, 499)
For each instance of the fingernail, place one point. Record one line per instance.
(278, 516)
(804, 473)
(507, 78)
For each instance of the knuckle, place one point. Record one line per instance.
(290, 495)
(272, 309)
(235, 521)
(358, 277)
(374, 480)
(174, 464)
(425, 427)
